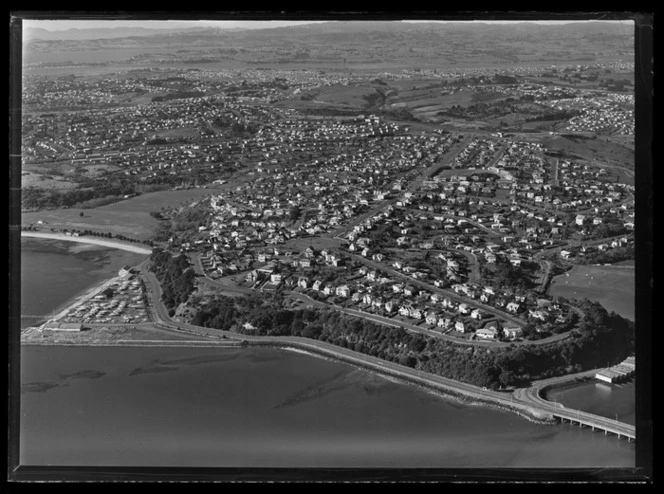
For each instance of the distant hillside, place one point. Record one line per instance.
(375, 43)
(33, 33)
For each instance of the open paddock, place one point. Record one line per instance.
(129, 217)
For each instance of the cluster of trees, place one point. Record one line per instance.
(178, 95)
(554, 115)
(600, 339)
(34, 198)
(609, 256)
(176, 277)
(91, 233)
(502, 274)
(609, 228)
(235, 126)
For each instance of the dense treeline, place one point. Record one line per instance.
(37, 198)
(178, 95)
(600, 339)
(175, 275)
(609, 256)
(502, 274)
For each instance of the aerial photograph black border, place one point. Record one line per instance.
(644, 187)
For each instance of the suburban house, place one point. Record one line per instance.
(538, 314)
(343, 291)
(431, 317)
(125, 270)
(476, 314)
(302, 282)
(275, 278)
(513, 332)
(415, 313)
(512, 307)
(444, 322)
(487, 333)
(460, 327)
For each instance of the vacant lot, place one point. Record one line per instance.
(29, 179)
(346, 95)
(590, 148)
(130, 217)
(177, 133)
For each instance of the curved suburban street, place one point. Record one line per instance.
(524, 401)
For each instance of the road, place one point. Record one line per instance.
(473, 265)
(413, 328)
(525, 401)
(554, 173)
(533, 396)
(448, 293)
(415, 184)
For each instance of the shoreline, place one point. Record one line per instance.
(87, 240)
(75, 301)
(439, 390)
(436, 389)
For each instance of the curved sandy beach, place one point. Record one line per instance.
(115, 244)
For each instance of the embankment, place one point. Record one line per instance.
(467, 398)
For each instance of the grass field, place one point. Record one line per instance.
(345, 95)
(29, 179)
(177, 133)
(130, 217)
(612, 286)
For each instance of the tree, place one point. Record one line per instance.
(82, 214)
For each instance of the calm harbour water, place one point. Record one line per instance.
(265, 407)
(53, 272)
(258, 407)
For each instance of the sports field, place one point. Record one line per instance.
(612, 286)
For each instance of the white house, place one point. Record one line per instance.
(275, 278)
(343, 291)
(487, 333)
(513, 332)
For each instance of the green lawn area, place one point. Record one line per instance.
(130, 217)
(612, 286)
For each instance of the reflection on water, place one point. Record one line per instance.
(265, 407)
(600, 398)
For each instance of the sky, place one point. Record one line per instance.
(58, 25)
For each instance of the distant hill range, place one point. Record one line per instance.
(35, 33)
(336, 27)
(375, 43)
